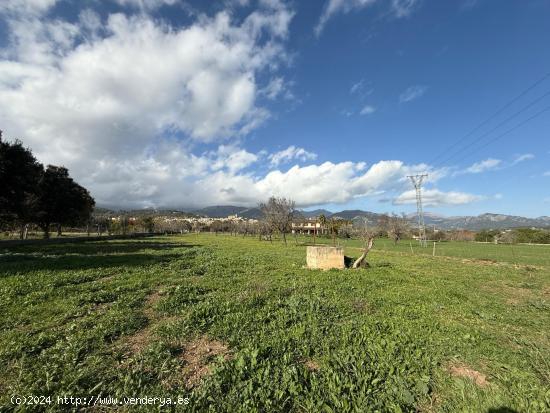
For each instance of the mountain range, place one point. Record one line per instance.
(483, 221)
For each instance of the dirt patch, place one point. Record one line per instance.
(106, 278)
(362, 306)
(511, 295)
(312, 365)
(137, 342)
(461, 370)
(150, 302)
(483, 261)
(198, 356)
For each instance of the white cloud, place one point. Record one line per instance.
(397, 8)
(109, 92)
(124, 100)
(403, 8)
(233, 158)
(291, 153)
(435, 197)
(368, 110)
(522, 158)
(26, 6)
(547, 173)
(339, 6)
(412, 93)
(276, 88)
(483, 166)
(146, 4)
(173, 177)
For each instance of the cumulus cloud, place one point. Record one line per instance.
(291, 153)
(125, 101)
(26, 6)
(98, 93)
(435, 197)
(412, 93)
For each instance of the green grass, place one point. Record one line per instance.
(522, 254)
(116, 319)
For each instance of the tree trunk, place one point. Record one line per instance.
(284, 237)
(359, 261)
(26, 231)
(314, 233)
(46, 230)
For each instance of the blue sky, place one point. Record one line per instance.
(331, 103)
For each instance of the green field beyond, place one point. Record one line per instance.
(239, 325)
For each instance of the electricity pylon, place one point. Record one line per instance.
(417, 182)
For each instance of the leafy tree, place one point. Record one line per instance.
(323, 222)
(19, 176)
(60, 200)
(486, 235)
(335, 225)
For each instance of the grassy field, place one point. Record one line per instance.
(238, 325)
(509, 253)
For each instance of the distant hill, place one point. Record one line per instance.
(486, 221)
(352, 214)
(223, 211)
(316, 213)
(219, 211)
(483, 221)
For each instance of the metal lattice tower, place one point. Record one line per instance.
(417, 182)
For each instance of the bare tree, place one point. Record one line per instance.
(397, 227)
(366, 235)
(264, 230)
(279, 214)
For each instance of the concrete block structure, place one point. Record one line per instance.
(325, 257)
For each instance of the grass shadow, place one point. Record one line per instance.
(88, 255)
(30, 263)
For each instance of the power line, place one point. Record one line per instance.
(494, 115)
(546, 109)
(481, 137)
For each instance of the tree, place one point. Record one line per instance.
(148, 223)
(366, 235)
(60, 200)
(335, 224)
(279, 214)
(397, 227)
(19, 176)
(322, 221)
